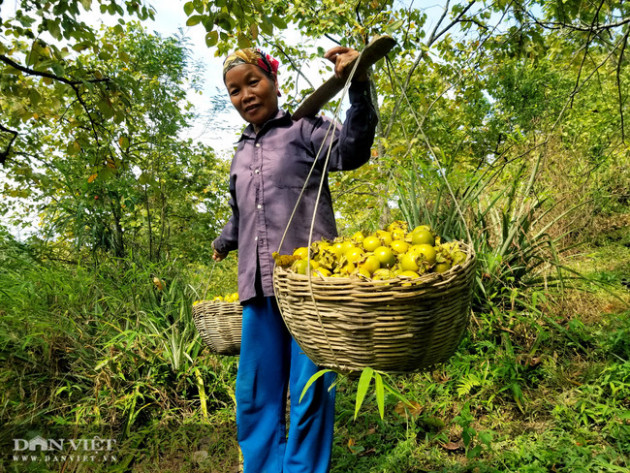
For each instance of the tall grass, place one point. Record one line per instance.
(502, 213)
(109, 347)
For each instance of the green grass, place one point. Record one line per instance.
(538, 387)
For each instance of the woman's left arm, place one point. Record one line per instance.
(358, 130)
(353, 142)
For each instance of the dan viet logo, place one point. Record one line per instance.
(93, 449)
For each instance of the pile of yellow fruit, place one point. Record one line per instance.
(229, 298)
(385, 254)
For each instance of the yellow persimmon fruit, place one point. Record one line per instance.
(371, 242)
(385, 256)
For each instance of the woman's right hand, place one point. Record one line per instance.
(342, 57)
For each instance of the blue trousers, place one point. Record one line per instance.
(270, 362)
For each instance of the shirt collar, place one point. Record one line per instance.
(279, 119)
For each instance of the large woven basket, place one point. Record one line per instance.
(397, 325)
(219, 324)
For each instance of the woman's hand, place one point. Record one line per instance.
(216, 255)
(342, 57)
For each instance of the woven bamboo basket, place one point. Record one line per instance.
(219, 324)
(397, 325)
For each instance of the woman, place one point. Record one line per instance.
(273, 158)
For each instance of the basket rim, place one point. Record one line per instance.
(210, 302)
(213, 309)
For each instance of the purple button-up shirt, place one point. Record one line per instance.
(266, 178)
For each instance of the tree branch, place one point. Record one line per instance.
(623, 48)
(5, 154)
(432, 38)
(585, 28)
(334, 40)
(452, 23)
(74, 84)
(588, 41)
(295, 66)
(33, 72)
(578, 87)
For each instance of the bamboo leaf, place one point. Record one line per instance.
(362, 388)
(380, 394)
(311, 380)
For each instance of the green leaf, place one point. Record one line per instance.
(208, 21)
(194, 20)
(474, 452)
(106, 173)
(188, 8)
(279, 22)
(486, 437)
(518, 394)
(54, 29)
(212, 38)
(362, 388)
(394, 27)
(224, 21)
(243, 41)
(311, 380)
(145, 178)
(105, 107)
(266, 26)
(467, 436)
(380, 394)
(101, 364)
(34, 97)
(399, 396)
(124, 57)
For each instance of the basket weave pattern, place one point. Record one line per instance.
(219, 324)
(349, 324)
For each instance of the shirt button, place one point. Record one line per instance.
(256, 239)
(257, 171)
(257, 145)
(259, 206)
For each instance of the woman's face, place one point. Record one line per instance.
(253, 93)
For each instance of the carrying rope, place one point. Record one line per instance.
(440, 167)
(329, 133)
